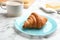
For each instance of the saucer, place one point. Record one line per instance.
(47, 29)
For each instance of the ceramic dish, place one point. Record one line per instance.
(47, 29)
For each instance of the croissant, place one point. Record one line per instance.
(35, 21)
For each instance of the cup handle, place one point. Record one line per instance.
(3, 7)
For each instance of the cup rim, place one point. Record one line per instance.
(13, 3)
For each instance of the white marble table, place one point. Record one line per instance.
(7, 31)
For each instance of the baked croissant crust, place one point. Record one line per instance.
(35, 21)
